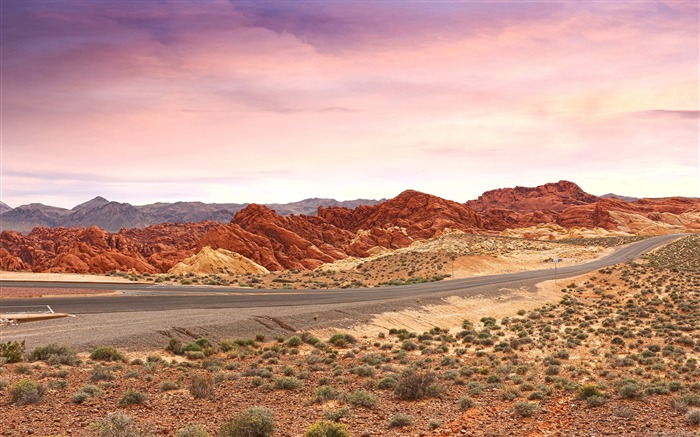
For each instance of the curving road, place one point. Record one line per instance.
(147, 297)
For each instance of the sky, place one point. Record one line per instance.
(277, 101)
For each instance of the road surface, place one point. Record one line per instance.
(149, 297)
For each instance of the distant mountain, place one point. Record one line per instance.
(26, 217)
(94, 203)
(4, 208)
(113, 216)
(617, 196)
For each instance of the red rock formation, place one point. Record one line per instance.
(548, 197)
(420, 215)
(284, 242)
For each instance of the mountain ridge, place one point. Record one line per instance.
(279, 242)
(113, 216)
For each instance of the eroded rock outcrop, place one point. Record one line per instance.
(217, 261)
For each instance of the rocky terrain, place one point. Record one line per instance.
(277, 242)
(616, 354)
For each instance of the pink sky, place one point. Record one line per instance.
(228, 101)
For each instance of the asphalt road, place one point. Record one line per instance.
(148, 297)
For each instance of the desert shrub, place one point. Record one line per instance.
(294, 341)
(22, 369)
(287, 383)
(525, 409)
(400, 420)
(408, 345)
(630, 390)
(325, 393)
(92, 390)
(117, 425)
(54, 354)
(366, 371)
(12, 351)
(341, 340)
(25, 391)
(387, 382)
(86, 392)
(79, 397)
(106, 353)
(169, 385)
(251, 422)
(692, 417)
(101, 373)
(175, 346)
(58, 383)
(132, 397)
(195, 430)
(3, 384)
(588, 390)
(595, 401)
(413, 384)
(204, 343)
(201, 387)
(465, 403)
(335, 416)
(323, 428)
(363, 398)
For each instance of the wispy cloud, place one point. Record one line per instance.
(283, 99)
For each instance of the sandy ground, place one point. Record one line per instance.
(453, 310)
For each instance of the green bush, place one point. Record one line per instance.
(692, 417)
(595, 401)
(169, 385)
(12, 351)
(387, 382)
(175, 346)
(588, 390)
(88, 391)
(399, 420)
(195, 430)
(465, 403)
(336, 415)
(101, 373)
(25, 391)
(132, 397)
(413, 384)
(341, 340)
(325, 393)
(363, 398)
(54, 354)
(324, 428)
(79, 397)
(202, 387)
(287, 383)
(525, 409)
(251, 422)
(117, 425)
(294, 341)
(107, 353)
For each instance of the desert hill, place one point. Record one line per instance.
(278, 242)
